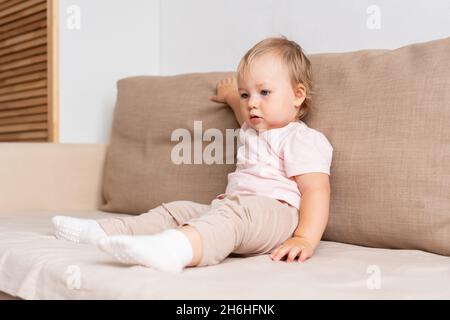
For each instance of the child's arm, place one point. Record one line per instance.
(313, 217)
(227, 92)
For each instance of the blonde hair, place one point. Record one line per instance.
(292, 57)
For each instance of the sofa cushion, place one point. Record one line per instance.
(35, 265)
(140, 170)
(387, 115)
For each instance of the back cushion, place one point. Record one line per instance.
(386, 113)
(140, 170)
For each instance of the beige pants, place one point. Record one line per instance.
(241, 225)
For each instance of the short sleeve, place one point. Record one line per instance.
(306, 151)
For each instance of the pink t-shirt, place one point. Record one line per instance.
(268, 161)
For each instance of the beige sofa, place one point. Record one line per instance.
(386, 113)
(40, 180)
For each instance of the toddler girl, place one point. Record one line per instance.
(281, 163)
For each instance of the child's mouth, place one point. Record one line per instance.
(255, 119)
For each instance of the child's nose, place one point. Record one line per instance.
(253, 102)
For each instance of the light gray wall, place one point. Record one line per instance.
(205, 35)
(116, 39)
(121, 38)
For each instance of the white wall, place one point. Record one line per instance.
(116, 39)
(121, 38)
(205, 35)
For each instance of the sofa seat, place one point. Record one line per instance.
(35, 265)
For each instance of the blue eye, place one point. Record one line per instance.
(265, 92)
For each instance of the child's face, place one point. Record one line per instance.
(266, 91)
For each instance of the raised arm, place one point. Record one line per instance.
(227, 92)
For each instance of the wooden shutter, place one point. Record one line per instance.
(28, 70)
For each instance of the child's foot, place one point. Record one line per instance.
(78, 230)
(168, 251)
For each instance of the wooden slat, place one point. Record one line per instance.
(23, 70)
(23, 54)
(23, 135)
(23, 103)
(23, 87)
(22, 112)
(23, 78)
(53, 71)
(23, 45)
(32, 140)
(23, 119)
(22, 14)
(8, 3)
(23, 62)
(24, 28)
(20, 7)
(23, 95)
(23, 127)
(42, 15)
(23, 37)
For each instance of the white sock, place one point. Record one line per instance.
(78, 230)
(169, 250)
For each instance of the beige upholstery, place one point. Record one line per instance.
(47, 176)
(148, 111)
(387, 115)
(34, 265)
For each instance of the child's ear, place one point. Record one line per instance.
(300, 95)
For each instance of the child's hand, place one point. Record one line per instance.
(292, 248)
(227, 91)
